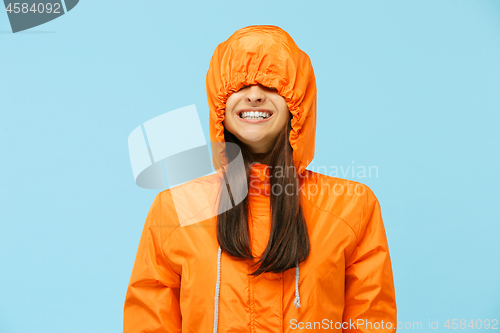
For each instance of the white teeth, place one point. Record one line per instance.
(255, 115)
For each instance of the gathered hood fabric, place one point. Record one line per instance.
(181, 281)
(268, 55)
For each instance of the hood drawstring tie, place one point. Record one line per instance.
(297, 297)
(217, 290)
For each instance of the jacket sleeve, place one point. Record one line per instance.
(369, 285)
(152, 298)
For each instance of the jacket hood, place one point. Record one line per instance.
(264, 54)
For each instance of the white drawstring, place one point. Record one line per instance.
(217, 289)
(297, 297)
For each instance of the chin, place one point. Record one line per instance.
(251, 139)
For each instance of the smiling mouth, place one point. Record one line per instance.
(257, 114)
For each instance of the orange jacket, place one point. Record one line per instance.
(181, 282)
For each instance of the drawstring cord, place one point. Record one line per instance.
(297, 297)
(217, 290)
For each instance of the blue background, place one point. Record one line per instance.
(411, 87)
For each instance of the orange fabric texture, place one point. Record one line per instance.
(346, 283)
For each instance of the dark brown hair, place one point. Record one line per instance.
(288, 242)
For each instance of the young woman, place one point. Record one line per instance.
(299, 252)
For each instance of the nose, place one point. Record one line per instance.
(255, 95)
